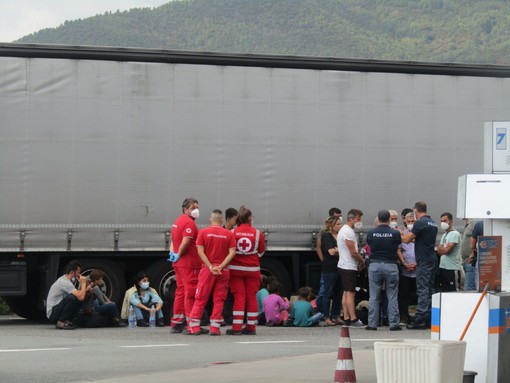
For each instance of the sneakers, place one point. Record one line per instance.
(395, 328)
(368, 328)
(357, 324)
(142, 323)
(203, 331)
(160, 323)
(177, 329)
(245, 331)
(67, 325)
(417, 326)
(233, 332)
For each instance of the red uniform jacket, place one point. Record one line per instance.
(185, 226)
(250, 246)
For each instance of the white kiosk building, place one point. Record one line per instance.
(484, 196)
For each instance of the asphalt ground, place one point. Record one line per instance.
(37, 352)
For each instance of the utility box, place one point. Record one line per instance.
(420, 361)
(483, 196)
(488, 336)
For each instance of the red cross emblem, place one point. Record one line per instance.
(244, 245)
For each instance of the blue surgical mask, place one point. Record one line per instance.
(144, 285)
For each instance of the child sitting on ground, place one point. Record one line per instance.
(302, 313)
(261, 295)
(275, 307)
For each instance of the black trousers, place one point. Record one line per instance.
(66, 310)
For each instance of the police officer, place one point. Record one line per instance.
(383, 271)
(424, 234)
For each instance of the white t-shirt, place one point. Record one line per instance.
(345, 259)
(58, 291)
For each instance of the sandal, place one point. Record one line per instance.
(329, 322)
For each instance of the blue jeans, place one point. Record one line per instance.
(471, 276)
(380, 273)
(109, 309)
(316, 318)
(320, 294)
(425, 277)
(332, 293)
(139, 314)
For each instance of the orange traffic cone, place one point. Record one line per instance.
(345, 365)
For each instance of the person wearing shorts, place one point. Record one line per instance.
(348, 263)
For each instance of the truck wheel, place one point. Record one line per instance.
(272, 267)
(115, 285)
(162, 277)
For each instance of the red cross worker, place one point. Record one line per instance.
(187, 267)
(245, 274)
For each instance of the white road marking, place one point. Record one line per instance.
(35, 349)
(154, 345)
(273, 341)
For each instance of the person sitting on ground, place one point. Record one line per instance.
(301, 313)
(275, 307)
(261, 295)
(102, 304)
(142, 298)
(64, 299)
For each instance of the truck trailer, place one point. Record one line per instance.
(99, 147)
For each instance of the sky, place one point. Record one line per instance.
(22, 17)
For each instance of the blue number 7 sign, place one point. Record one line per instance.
(500, 138)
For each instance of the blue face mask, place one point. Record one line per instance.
(144, 285)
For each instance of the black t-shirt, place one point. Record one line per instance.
(477, 230)
(329, 264)
(425, 230)
(383, 242)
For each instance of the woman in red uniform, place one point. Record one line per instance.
(245, 274)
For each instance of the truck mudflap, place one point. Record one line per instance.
(13, 279)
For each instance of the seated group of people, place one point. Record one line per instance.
(68, 306)
(273, 310)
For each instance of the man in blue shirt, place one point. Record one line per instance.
(383, 271)
(424, 234)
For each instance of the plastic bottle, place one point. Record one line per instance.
(131, 317)
(152, 317)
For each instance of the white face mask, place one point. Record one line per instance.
(444, 226)
(195, 213)
(358, 225)
(410, 226)
(393, 224)
(144, 285)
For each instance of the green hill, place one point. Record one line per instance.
(468, 31)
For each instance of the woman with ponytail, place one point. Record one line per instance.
(245, 273)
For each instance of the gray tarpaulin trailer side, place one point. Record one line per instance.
(99, 146)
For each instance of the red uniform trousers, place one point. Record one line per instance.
(244, 286)
(187, 280)
(207, 284)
